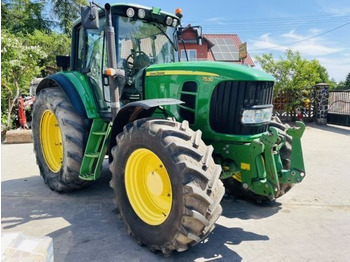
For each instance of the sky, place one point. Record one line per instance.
(318, 29)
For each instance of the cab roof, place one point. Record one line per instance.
(120, 9)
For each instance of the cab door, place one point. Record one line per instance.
(91, 60)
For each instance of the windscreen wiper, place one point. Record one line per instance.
(164, 33)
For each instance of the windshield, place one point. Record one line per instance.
(151, 40)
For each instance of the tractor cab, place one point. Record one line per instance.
(143, 37)
(142, 43)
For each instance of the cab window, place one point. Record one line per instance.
(92, 60)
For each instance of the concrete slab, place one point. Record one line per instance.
(20, 247)
(310, 223)
(18, 136)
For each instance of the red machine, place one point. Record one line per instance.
(24, 103)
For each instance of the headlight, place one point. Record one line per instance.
(257, 115)
(169, 20)
(141, 13)
(174, 23)
(130, 12)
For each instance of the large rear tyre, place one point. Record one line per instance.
(166, 184)
(235, 188)
(59, 136)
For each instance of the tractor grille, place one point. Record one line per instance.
(228, 100)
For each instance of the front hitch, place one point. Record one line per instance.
(273, 143)
(275, 174)
(296, 173)
(258, 165)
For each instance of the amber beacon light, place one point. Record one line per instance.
(178, 13)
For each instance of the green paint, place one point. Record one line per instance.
(263, 158)
(296, 173)
(82, 85)
(225, 71)
(248, 158)
(270, 140)
(156, 10)
(165, 85)
(96, 149)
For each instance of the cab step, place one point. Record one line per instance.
(96, 149)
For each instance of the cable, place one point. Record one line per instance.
(262, 21)
(299, 41)
(273, 24)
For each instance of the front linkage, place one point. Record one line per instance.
(258, 164)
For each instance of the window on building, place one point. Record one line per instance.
(191, 53)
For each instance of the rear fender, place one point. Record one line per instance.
(77, 89)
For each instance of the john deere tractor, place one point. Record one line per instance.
(127, 96)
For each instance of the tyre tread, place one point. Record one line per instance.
(75, 130)
(198, 172)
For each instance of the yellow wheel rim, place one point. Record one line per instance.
(51, 141)
(148, 186)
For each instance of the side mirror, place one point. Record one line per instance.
(197, 33)
(89, 17)
(199, 40)
(199, 36)
(177, 35)
(63, 61)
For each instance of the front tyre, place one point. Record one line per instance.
(59, 136)
(166, 184)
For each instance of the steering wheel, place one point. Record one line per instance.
(139, 60)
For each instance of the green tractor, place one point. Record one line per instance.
(127, 96)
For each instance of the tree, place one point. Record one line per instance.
(51, 44)
(341, 85)
(18, 67)
(347, 82)
(28, 47)
(21, 17)
(67, 11)
(294, 75)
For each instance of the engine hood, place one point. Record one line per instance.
(226, 70)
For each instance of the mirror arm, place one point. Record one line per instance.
(95, 4)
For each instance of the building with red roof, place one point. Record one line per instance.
(214, 47)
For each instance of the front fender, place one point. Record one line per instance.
(136, 110)
(78, 90)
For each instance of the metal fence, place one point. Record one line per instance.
(337, 111)
(286, 113)
(339, 102)
(339, 108)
